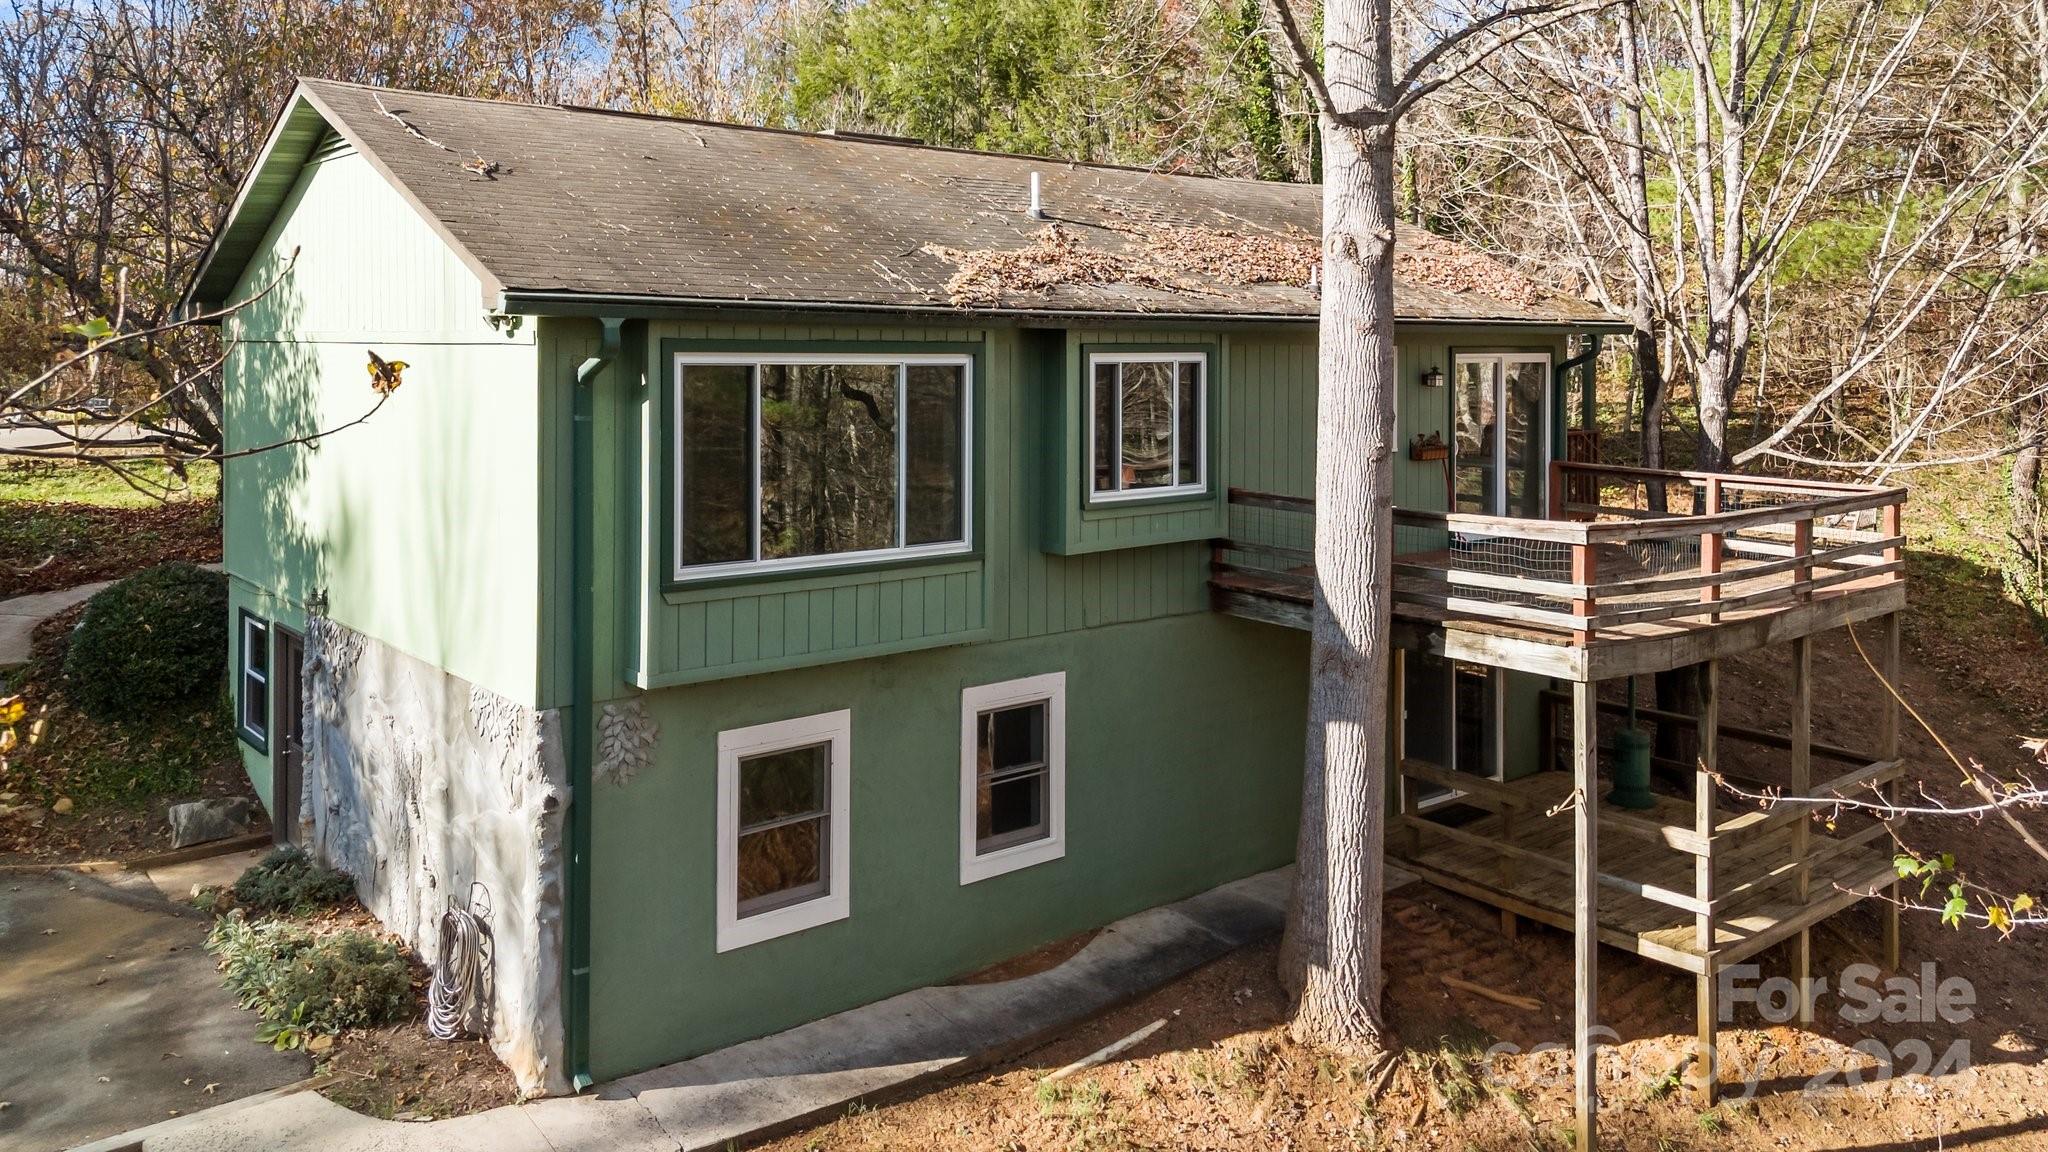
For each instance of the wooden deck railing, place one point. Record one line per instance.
(1647, 546)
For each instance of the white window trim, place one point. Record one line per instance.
(1177, 491)
(261, 728)
(735, 744)
(1497, 497)
(1050, 689)
(684, 574)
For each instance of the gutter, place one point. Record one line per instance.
(582, 629)
(553, 303)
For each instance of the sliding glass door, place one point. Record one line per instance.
(1453, 719)
(1501, 436)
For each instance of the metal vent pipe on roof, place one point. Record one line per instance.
(1037, 209)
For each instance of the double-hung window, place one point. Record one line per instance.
(800, 461)
(782, 828)
(1013, 775)
(253, 715)
(1148, 425)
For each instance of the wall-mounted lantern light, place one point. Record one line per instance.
(1432, 377)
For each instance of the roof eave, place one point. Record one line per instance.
(211, 282)
(558, 302)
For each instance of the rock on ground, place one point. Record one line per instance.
(204, 821)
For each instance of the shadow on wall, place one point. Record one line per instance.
(428, 772)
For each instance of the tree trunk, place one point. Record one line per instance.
(1642, 255)
(2024, 569)
(1332, 951)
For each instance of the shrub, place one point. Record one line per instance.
(306, 984)
(287, 880)
(152, 642)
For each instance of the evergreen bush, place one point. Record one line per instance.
(287, 880)
(149, 644)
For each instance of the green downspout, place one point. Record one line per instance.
(582, 629)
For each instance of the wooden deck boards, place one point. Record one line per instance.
(1750, 922)
(1614, 650)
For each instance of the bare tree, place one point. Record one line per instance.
(1331, 957)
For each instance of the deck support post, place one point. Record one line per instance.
(1707, 1065)
(1586, 910)
(1888, 749)
(1800, 783)
(1710, 547)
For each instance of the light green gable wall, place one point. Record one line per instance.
(422, 524)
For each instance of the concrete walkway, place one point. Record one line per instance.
(112, 1015)
(19, 617)
(788, 1080)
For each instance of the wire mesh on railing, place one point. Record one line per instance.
(1455, 564)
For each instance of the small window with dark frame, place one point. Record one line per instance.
(255, 702)
(783, 829)
(1147, 430)
(1013, 775)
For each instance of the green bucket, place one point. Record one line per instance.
(1632, 770)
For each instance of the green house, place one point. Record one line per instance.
(793, 569)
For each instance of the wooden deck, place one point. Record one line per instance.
(1605, 588)
(1519, 859)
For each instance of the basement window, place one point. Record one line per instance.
(812, 461)
(254, 712)
(1013, 775)
(782, 828)
(1148, 426)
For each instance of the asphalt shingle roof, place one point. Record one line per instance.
(609, 204)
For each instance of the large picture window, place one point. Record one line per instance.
(1148, 425)
(782, 828)
(1013, 775)
(801, 461)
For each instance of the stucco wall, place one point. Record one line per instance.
(430, 790)
(1184, 751)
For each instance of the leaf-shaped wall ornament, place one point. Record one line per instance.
(625, 741)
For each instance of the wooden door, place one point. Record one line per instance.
(288, 724)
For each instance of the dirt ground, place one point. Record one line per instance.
(37, 775)
(1475, 1074)
(400, 1071)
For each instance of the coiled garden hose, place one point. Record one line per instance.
(456, 975)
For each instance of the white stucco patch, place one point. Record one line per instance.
(429, 789)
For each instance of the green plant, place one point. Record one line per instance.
(1086, 1100)
(152, 642)
(287, 880)
(306, 984)
(285, 1035)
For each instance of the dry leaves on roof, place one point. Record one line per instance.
(1423, 257)
(1162, 257)
(1165, 256)
(1054, 257)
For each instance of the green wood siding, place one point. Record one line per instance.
(422, 526)
(1010, 588)
(1074, 526)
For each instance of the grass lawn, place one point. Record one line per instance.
(56, 482)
